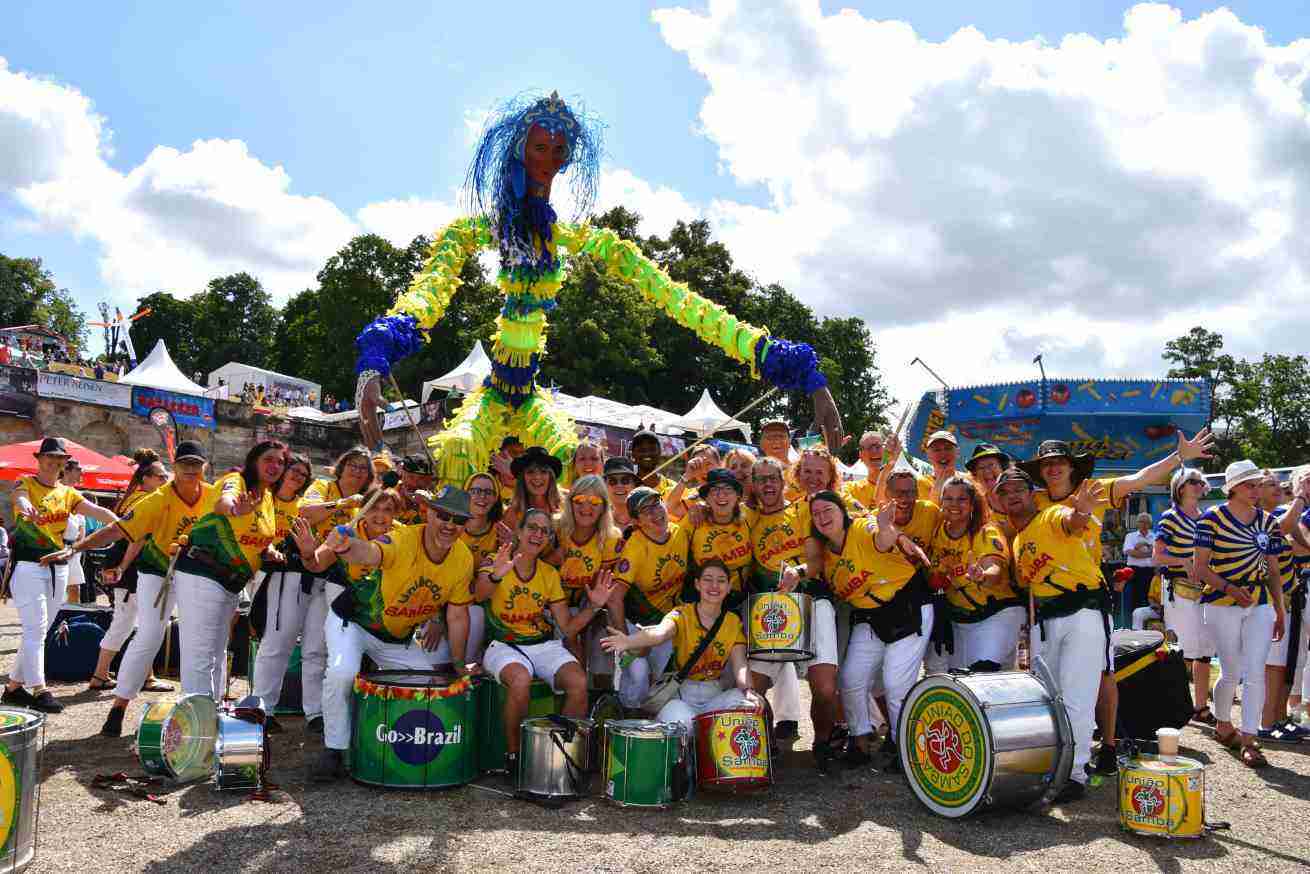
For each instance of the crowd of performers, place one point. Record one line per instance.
(625, 569)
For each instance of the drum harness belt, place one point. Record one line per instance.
(881, 623)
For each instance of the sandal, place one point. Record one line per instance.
(1253, 758)
(1203, 716)
(153, 685)
(1232, 740)
(101, 684)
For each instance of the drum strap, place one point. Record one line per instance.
(701, 647)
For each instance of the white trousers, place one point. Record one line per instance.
(1074, 651)
(346, 645)
(120, 627)
(1243, 636)
(696, 697)
(205, 624)
(292, 616)
(38, 591)
(1186, 619)
(150, 629)
(441, 658)
(634, 683)
(994, 639)
(896, 665)
(1141, 615)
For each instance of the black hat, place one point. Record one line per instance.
(536, 456)
(640, 497)
(987, 450)
(454, 501)
(416, 464)
(719, 476)
(643, 434)
(619, 464)
(1015, 474)
(189, 450)
(1082, 464)
(52, 446)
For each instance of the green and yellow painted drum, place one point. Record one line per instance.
(975, 741)
(176, 737)
(414, 730)
(1162, 798)
(491, 698)
(20, 785)
(780, 627)
(646, 764)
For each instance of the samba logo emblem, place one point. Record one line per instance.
(737, 743)
(775, 621)
(1147, 800)
(745, 742)
(945, 748)
(418, 737)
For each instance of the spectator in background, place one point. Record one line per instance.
(1139, 546)
(100, 370)
(75, 530)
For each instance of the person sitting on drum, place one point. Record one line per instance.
(519, 589)
(972, 562)
(686, 626)
(1054, 562)
(648, 581)
(420, 570)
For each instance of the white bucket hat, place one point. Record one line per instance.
(1240, 472)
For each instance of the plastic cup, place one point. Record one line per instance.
(1167, 740)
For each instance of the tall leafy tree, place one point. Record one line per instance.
(29, 296)
(236, 321)
(176, 322)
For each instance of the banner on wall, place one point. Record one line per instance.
(17, 391)
(187, 410)
(88, 391)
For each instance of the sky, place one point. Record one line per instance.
(979, 182)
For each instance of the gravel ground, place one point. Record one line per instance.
(857, 819)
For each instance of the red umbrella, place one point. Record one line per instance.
(98, 473)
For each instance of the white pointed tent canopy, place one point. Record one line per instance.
(465, 377)
(159, 371)
(706, 418)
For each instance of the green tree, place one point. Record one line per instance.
(176, 322)
(236, 321)
(29, 296)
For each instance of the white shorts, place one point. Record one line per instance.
(1185, 619)
(825, 644)
(543, 660)
(1278, 652)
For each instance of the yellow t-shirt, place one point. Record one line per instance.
(862, 575)
(414, 586)
(923, 523)
(581, 562)
(689, 632)
(284, 513)
(236, 542)
(967, 601)
(483, 546)
(730, 543)
(1053, 564)
(862, 491)
(1092, 533)
(31, 540)
(321, 492)
(653, 573)
(518, 610)
(775, 538)
(160, 518)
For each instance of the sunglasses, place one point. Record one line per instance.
(621, 480)
(593, 500)
(450, 517)
(482, 492)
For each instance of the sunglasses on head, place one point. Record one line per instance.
(593, 500)
(450, 517)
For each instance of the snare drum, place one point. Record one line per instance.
(647, 762)
(491, 696)
(1166, 799)
(241, 752)
(553, 757)
(971, 742)
(780, 627)
(176, 736)
(413, 730)
(733, 753)
(21, 734)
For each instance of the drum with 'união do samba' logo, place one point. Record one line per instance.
(1162, 798)
(414, 730)
(780, 627)
(733, 750)
(976, 741)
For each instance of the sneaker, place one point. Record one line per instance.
(331, 765)
(314, 725)
(1072, 791)
(1279, 735)
(1292, 727)
(272, 726)
(1107, 761)
(113, 726)
(19, 697)
(787, 729)
(823, 757)
(46, 703)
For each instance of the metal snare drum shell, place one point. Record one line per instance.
(238, 753)
(779, 627)
(553, 764)
(22, 734)
(643, 758)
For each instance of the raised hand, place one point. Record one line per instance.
(504, 559)
(501, 464)
(827, 417)
(244, 504)
(789, 580)
(1198, 447)
(504, 533)
(303, 535)
(886, 515)
(1090, 494)
(601, 588)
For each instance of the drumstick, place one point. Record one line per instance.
(759, 400)
(161, 599)
(421, 442)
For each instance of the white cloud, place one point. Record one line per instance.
(977, 200)
(400, 221)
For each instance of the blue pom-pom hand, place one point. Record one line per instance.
(791, 366)
(386, 340)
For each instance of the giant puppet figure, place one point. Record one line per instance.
(524, 146)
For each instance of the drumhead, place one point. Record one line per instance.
(410, 679)
(14, 719)
(946, 746)
(188, 736)
(641, 728)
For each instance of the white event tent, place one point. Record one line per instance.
(159, 371)
(466, 376)
(236, 375)
(706, 418)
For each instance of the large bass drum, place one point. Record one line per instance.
(971, 742)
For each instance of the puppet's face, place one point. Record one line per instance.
(544, 154)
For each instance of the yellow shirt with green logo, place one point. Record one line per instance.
(777, 537)
(966, 600)
(923, 523)
(1057, 566)
(688, 632)
(730, 543)
(483, 546)
(410, 587)
(861, 574)
(518, 611)
(160, 518)
(581, 561)
(654, 574)
(54, 504)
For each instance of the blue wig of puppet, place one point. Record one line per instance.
(497, 183)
